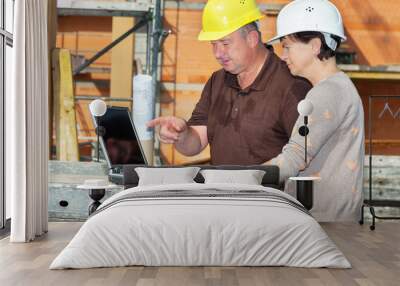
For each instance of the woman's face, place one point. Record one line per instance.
(297, 55)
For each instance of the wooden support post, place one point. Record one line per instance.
(122, 62)
(122, 57)
(52, 34)
(64, 107)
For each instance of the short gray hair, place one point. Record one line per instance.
(252, 26)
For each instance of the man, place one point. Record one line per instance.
(248, 108)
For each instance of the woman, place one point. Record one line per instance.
(310, 31)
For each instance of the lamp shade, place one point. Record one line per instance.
(305, 107)
(98, 107)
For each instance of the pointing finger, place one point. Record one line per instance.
(154, 122)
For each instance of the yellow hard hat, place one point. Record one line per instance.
(222, 17)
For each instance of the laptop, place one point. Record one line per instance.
(120, 142)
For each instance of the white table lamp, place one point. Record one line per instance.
(98, 108)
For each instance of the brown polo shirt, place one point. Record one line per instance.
(250, 126)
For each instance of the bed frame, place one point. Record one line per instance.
(270, 179)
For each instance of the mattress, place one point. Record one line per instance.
(201, 225)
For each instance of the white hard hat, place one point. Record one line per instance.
(310, 15)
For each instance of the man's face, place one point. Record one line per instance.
(232, 52)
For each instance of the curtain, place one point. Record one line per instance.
(27, 123)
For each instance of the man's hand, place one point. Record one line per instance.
(172, 129)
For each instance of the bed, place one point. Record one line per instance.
(202, 224)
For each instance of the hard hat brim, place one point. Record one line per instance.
(214, 36)
(277, 39)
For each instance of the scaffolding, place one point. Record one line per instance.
(148, 15)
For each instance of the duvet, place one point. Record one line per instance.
(203, 225)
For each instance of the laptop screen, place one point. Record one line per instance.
(120, 141)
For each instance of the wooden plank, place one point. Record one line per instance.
(85, 122)
(85, 24)
(272, 9)
(64, 107)
(52, 35)
(122, 57)
(373, 75)
(383, 141)
(103, 8)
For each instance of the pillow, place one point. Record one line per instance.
(163, 176)
(249, 177)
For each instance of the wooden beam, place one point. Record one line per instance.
(103, 8)
(122, 57)
(269, 9)
(51, 34)
(373, 75)
(122, 60)
(64, 107)
(383, 142)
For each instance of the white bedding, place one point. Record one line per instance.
(183, 231)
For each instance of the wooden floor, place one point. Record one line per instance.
(375, 256)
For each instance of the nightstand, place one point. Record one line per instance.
(304, 190)
(97, 189)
